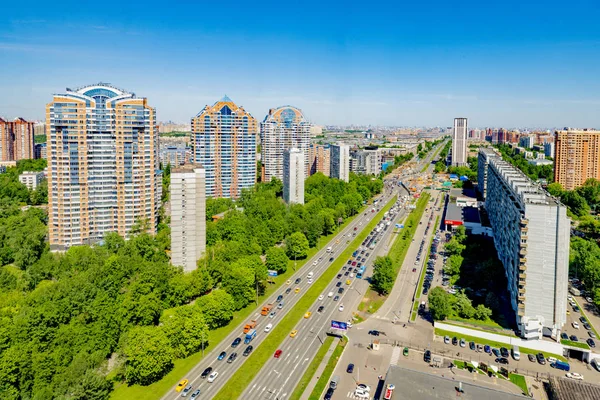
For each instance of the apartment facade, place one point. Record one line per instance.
(224, 137)
(188, 215)
(483, 158)
(103, 170)
(294, 175)
(549, 149)
(577, 157)
(531, 234)
(319, 159)
(366, 161)
(16, 140)
(282, 129)
(340, 162)
(459, 142)
(527, 141)
(31, 179)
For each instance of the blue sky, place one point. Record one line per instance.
(514, 63)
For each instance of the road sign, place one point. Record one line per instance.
(272, 273)
(339, 325)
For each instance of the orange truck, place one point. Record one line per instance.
(266, 309)
(249, 326)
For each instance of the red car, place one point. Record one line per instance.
(278, 353)
(414, 270)
(354, 264)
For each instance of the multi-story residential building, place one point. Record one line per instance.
(319, 159)
(459, 142)
(577, 157)
(16, 140)
(366, 161)
(31, 179)
(282, 129)
(103, 171)
(173, 155)
(294, 174)
(531, 234)
(188, 215)
(340, 162)
(485, 153)
(41, 150)
(549, 149)
(527, 141)
(224, 137)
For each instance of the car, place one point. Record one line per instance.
(297, 290)
(348, 281)
(222, 356)
(587, 326)
(288, 290)
(576, 309)
(277, 353)
(231, 358)
(363, 387)
(575, 324)
(181, 385)
(414, 270)
(472, 345)
(341, 290)
(405, 352)
(564, 336)
(212, 377)
(574, 375)
(454, 340)
(427, 356)
(297, 281)
(573, 338)
(462, 342)
(447, 339)
(272, 314)
(307, 314)
(186, 391)
(288, 282)
(540, 358)
(496, 352)
(531, 357)
(338, 276)
(336, 298)
(338, 284)
(279, 298)
(321, 297)
(341, 307)
(591, 343)
(582, 319)
(268, 327)
(589, 299)
(502, 360)
(293, 333)
(346, 273)
(236, 341)
(195, 394)
(329, 394)
(592, 334)
(206, 372)
(331, 259)
(487, 349)
(248, 351)
(349, 262)
(350, 368)
(374, 332)
(504, 352)
(320, 309)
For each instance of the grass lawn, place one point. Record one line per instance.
(519, 380)
(371, 302)
(312, 368)
(442, 333)
(182, 366)
(324, 379)
(243, 376)
(496, 328)
(574, 344)
(460, 364)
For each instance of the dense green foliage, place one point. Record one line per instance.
(469, 171)
(384, 275)
(534, 172)
(440, 165)
(398, 161)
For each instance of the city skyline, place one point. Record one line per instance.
(412, 67)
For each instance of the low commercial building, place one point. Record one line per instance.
(568, 389)
(31, 179)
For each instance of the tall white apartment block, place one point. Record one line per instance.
(340, 162)
(188, 216)
(31, 179)
(527, 141)
(485, 153)
(531, 234)
(459, 142)
(283, 128)
(294, 174)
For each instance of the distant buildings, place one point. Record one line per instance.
(282, 129)
(31, 179)
(549, 149)
(531, 233)
(103, 173)
(527, 141)
(224, 138)
(293, 176)
(319, 159)
(366, 161)
(577, 157)
(188, 216)
(41, 150)
(459, 142)
(340, 162)
(16, 140)
(173, 155)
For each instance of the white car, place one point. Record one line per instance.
(575, 324)
(268, 327)
(212, 377)
(315, 263)
(574, 375)
(447, 339)
(361, 394)
(341, 307)
(363, 387)
(321, 297)
(589, 299)
(310, 281)
(463, 343)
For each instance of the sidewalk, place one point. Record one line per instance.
(313, 382)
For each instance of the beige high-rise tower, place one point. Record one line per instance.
(577, 157)
(103, 169)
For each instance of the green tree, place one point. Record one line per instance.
(555, 189)
(217, 307)
(482, 313)
(148, 354)
(453, 265)
(383, 275)
(296, 246)
(240, 284)
(440, 304)
(454, 247)
(575, 202)
(463, 306)
(186, 330)
(277, 260)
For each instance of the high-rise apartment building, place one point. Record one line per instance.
(577, 157)
(224, 138)
(188, 215)
(531, 234)
(282, 129)
(485, 153)
(16, 140)
(527, 141)
(366, 161)
(319, 159)
(31, 179)
(103, 170)
(294, 175)
(459, 142)
(340, 162)
(549, 149)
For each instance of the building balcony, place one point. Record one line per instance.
(522, 276)
(523, 251)
(522, 267)
(523, 223)
(521, 297)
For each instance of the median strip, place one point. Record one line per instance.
(312, 368)
(243, 376)
(326, 375)
(413, 315)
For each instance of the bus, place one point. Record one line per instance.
(361, 272)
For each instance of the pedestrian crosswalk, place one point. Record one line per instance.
(352, 395)
(395, 356)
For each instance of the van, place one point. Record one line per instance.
(334, 382)
(516, 353)
(310, 275)
(561, 365)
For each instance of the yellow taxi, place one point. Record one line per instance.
(348, 281)
(293, 333)
(297, 290)
(288, 281)
(308, 314)
(181, 385)
(338, 241)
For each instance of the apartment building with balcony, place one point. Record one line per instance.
(294, 175)
(31, 179)
(224, 137)
(16, 140)
(340, 162)
(531, 234)
(483, 158)
(577, 157)
(103, 168)
(459, 142)
(319, 159)
(366, 161)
